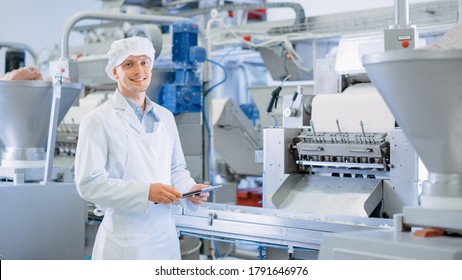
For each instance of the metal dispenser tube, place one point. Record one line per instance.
(401, 13)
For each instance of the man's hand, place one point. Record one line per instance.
(198, 198)
(24, 73)
(163, 194)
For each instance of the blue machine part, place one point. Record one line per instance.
(184, 93)
(251, 111)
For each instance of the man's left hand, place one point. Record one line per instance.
(201, 197)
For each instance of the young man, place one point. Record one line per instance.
(130, 163)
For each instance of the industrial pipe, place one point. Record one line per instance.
(69, 24)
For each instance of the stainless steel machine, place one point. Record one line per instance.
(348, 161)
(422, 89)
(318, 181)
(42, 215)
(336, 165)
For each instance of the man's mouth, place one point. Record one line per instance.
(138, 79)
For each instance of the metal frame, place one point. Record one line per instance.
(269, 226)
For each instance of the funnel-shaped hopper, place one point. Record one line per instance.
(25, 108)
(423, 89)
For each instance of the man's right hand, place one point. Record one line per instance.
(163, 194)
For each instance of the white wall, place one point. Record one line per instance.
(38, 23)
(323, 7)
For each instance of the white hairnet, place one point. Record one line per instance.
(123, 48)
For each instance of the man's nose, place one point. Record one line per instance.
(138, 68)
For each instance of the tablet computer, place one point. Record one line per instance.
(211, 188)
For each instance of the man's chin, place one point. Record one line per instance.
(140, 86)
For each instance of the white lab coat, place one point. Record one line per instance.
(115, 163)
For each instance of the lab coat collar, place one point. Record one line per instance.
(124, 110)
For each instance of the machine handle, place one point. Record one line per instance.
(318, 149)
(366, 150)
(294, 97)
(274, 98)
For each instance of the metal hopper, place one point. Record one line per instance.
(423, 89)
(25, 117)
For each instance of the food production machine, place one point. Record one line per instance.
(332, 167)
(338, 163)
(422, 89)
(42, 215)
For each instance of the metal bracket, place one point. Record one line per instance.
(212, 216)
